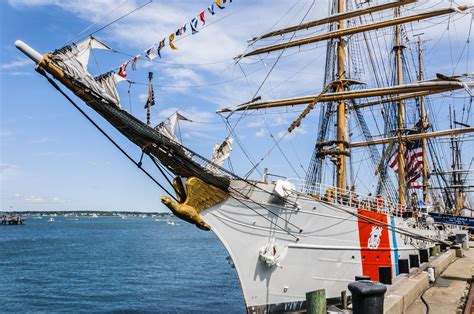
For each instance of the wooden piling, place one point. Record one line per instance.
(344, 299)
(316, 302)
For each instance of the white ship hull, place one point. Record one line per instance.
(332, 248)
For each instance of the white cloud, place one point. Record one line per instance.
(18, 63)
(42, 140)
(37, 199)
(4, 134)
(18, 73)
(287, 136)
(57, 200)
(34, 199)
(8, 171)
(261, 133)
(256, 123)
(143, 97)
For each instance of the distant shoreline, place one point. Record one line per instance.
(81, 213)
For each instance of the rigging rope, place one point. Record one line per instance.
(57, 87)
(93, 24)
(121, 17)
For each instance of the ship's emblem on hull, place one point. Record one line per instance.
(374, 240)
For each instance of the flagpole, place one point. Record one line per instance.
(148, 102)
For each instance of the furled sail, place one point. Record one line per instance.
(108, 81)
(168, 127)
(73, 59)
(222, 151)
(84, 50)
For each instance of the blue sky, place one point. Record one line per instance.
(51, 158)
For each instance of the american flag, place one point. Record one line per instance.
(413, 160)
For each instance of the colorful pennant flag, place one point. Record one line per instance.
(155, 50)
(172, 46)
(193, 25)
(134, 62)
(160, 46)
(152, 53)
(150, 99)
(123, 70)
(219, 5)
(211, 9)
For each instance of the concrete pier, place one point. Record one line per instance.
(412, 293)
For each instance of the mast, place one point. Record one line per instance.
(457, 181)
(149, 100)
(355, 30)
(400, 113)
(424, 125)
(413, 137)
(427, 87)
(335, 18)
(341, 105)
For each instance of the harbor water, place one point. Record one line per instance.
(109, 264)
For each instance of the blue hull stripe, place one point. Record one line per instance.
(395, 247)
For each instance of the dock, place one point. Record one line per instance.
(449, 293)
(11, 220)
(442, 283)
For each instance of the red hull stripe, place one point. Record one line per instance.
(374, 243)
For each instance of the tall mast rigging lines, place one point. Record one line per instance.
(335, 101)
(424, 125)
(398, 49)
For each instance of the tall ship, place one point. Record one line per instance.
(284, 236)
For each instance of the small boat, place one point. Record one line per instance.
(51, 219)
(94, 215)
(172, 223)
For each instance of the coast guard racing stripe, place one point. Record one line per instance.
(374, 243)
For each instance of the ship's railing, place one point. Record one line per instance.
(351, 198)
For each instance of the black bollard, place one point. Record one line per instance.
(443, 246)
(424, 256)
(403, 267)
(414, 260)
(359, 278)
(367, 297)
(385, 275)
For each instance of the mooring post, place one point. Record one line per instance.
(367, 296)
(316, 302)
(344, 299)
(458, 250)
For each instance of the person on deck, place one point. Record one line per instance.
(414, 204)
(380, 203)
(367, 203)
